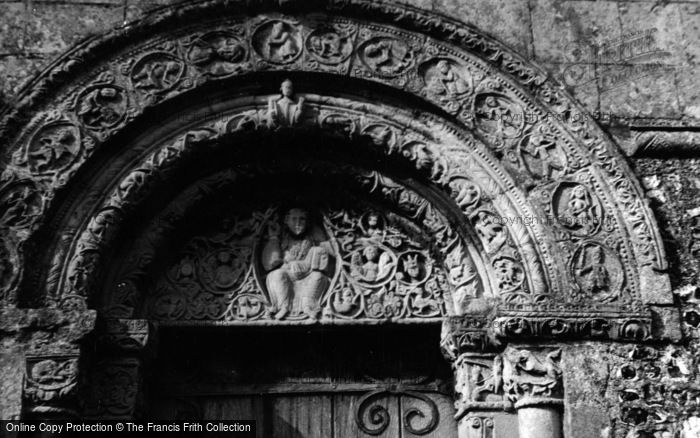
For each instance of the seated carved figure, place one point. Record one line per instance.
(297, 263)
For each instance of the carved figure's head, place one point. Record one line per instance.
(412, 267)
(443, 67)
(371, 253)
(287, 88)
(373, 220)
(578, 192)
(296, 221)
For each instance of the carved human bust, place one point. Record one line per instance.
(285, 110)
(297, 261)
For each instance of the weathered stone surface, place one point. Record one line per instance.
(52, 27)
(569, 31)
(11, 381)
(506, 20)
(666, 323)
(12, 19)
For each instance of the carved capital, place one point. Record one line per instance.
(466, 334)
(479, 383)
(127, 335)
(50, 384)
(532, 377)
(113, 389)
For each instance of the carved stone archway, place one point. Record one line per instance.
(557, 241)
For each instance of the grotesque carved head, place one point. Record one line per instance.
(296, 221)
(412, 267)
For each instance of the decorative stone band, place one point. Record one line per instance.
(635, 327)
(469, 333)
(529, 402)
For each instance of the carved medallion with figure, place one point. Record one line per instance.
(217, 53)
(598, 272)
(577, 208)
(332, 43)
(156, 73)
(53, 148)
(541, 156)
(447, 82)
(277, 41)
(387, 56)
(102, 106)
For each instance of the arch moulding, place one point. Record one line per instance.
(549, 235)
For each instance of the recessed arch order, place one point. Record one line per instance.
(557, 225)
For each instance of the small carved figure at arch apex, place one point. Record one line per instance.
(285, 110)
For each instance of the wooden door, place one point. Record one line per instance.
(332, 383)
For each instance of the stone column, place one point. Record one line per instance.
(115, 379)
(532, 379)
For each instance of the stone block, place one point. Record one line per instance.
(586, 369)
(568, 31)
(579, 80)
(666, 323)
(13, 17)
(11, 382)
(651, 32)
(506, 20)
(638, 90)
(15, 70)
(53, 28)
(690, 19)
(689, 90)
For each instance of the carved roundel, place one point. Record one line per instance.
(277, 41)
(447, 82)
(223, 269)
(577, 209)
(509, 273)
(331, 44)
(53, 148)
(498, 116)
(20, 203)
(386, 56)
(217, 53)
(540, 155)
(414, 268)
(102, 106)
(598, 272)
(156, 72)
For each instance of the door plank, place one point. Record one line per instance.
(301, 416)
